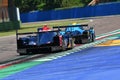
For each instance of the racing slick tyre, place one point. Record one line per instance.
(22, 54)
(71, 43)
(64, 44)
(27, 52)
(86, 37)
(93, 37)
(78, 40)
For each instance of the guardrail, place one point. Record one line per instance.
(80, 12)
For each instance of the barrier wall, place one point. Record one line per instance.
(90, 11)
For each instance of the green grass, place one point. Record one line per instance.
(29, 27)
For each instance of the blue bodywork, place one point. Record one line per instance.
(45, 38)
(75, 30)
(39, 39)
(80, 33)
(29, 40)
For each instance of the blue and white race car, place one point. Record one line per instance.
(80, 33)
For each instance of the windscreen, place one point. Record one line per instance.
(45, 38)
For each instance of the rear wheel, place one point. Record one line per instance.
(78, 40)
(28, 52)
(86, 37)
(93, 37)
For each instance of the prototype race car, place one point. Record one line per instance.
(42, 41)
(80, 33)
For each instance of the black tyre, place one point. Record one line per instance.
(93, 37)
(64, 45)
(22, 54)
(78, 40)
(71, 43)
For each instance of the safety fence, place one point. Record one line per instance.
(79, 12)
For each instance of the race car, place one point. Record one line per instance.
(80, 33)
(42, 41)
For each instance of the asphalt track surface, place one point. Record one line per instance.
(100, 62)
(101, 25)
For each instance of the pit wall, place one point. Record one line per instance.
(79, 12)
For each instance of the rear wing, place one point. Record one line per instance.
(34, 32)
(83, 25)
(31, 33)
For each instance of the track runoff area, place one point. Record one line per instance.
(93, 61)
